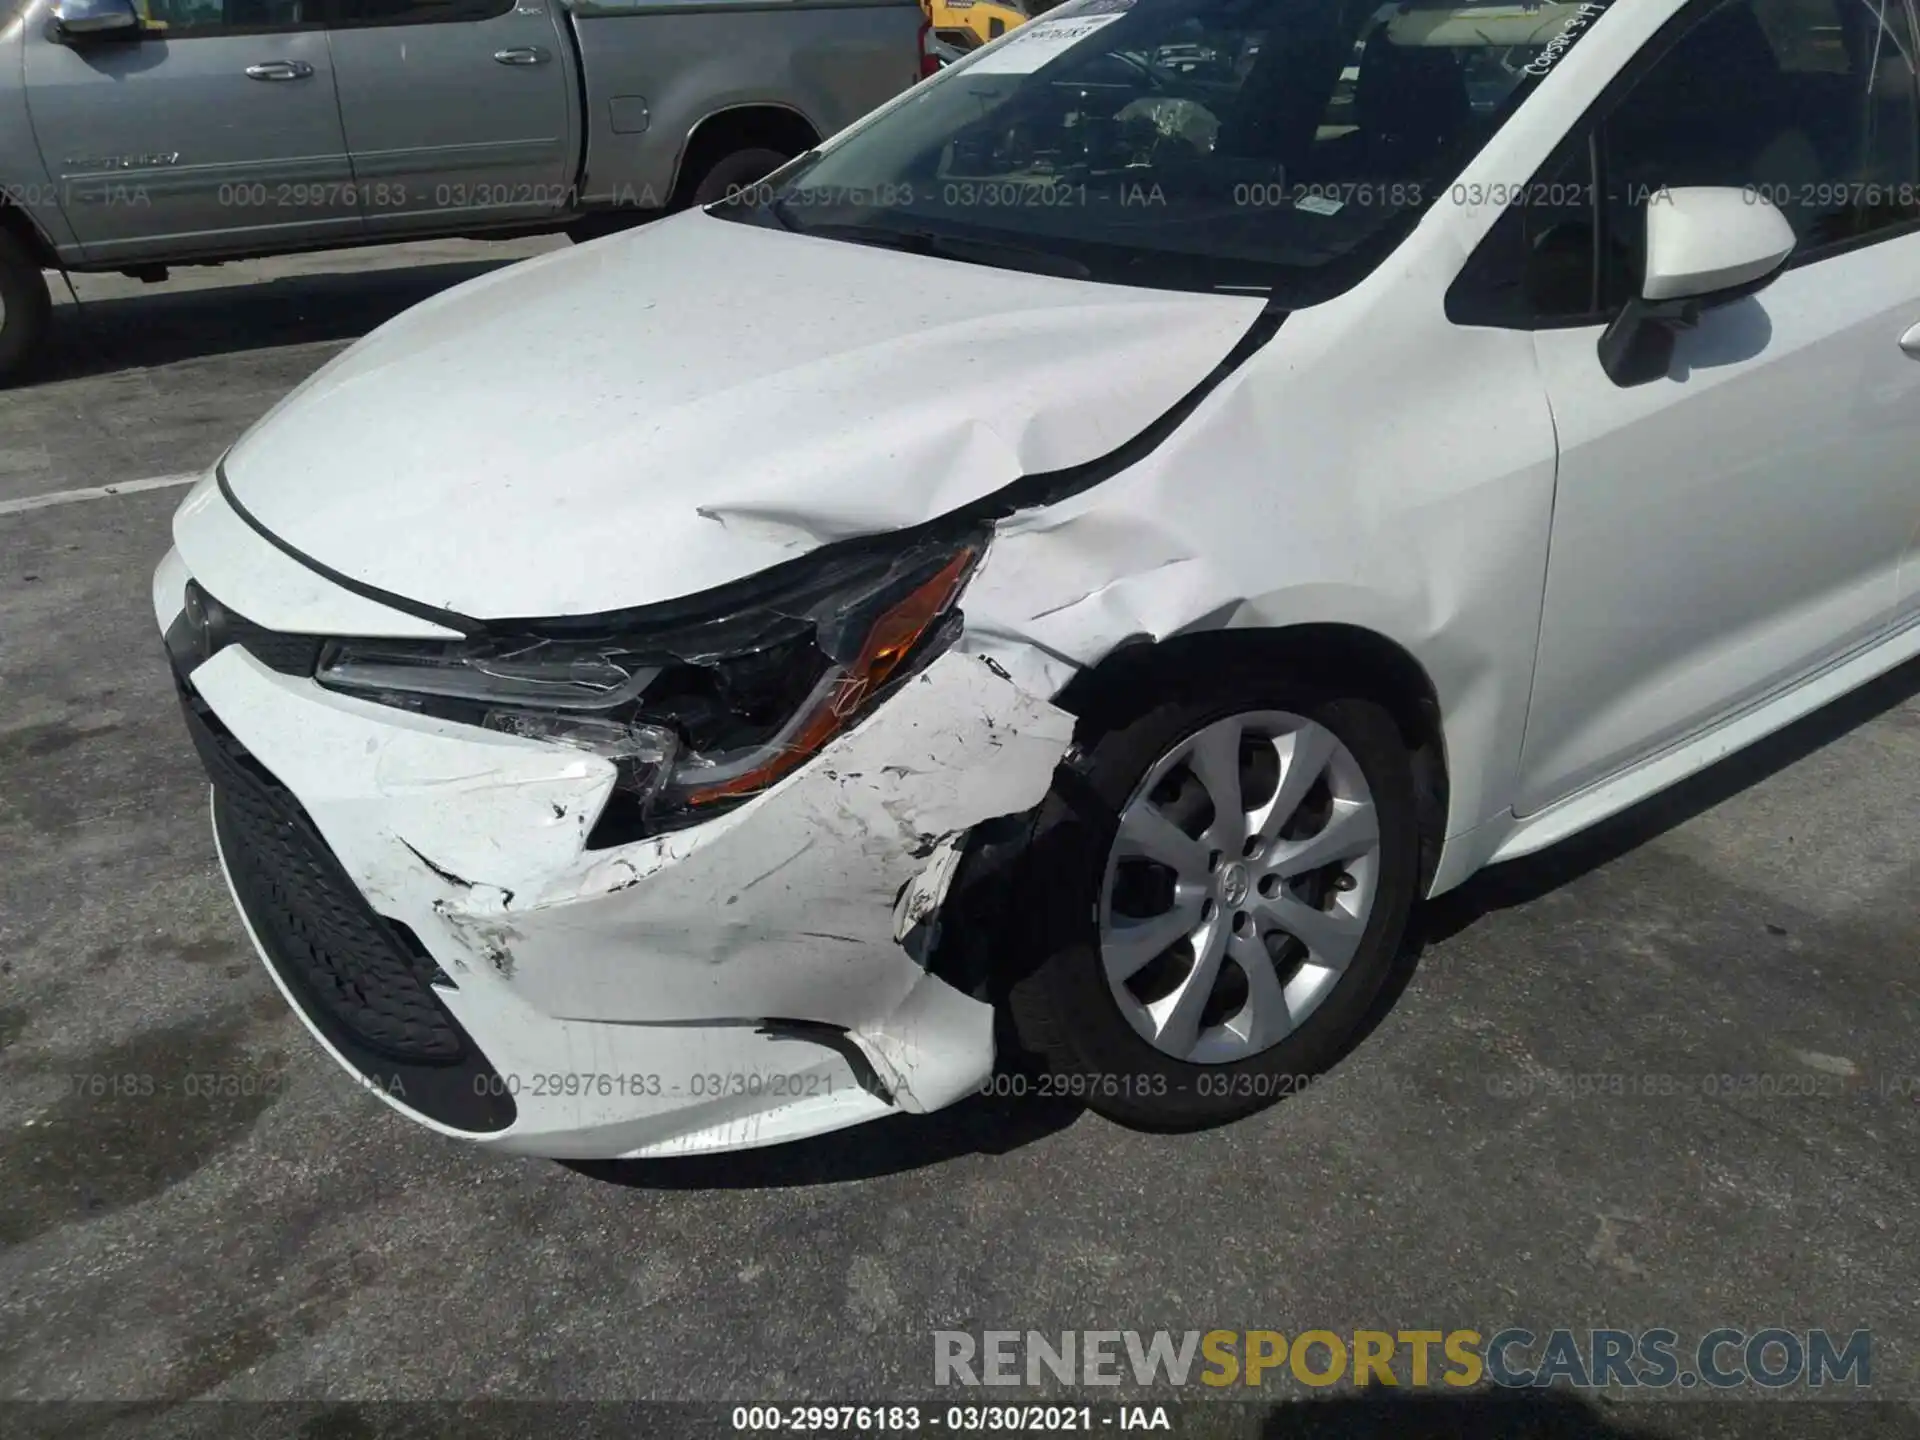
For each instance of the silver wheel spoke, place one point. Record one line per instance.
(1351, 831)
(1216, 765)
(1150, 835)
(1331, 936)
(1217, 880)
(1268, 1020)
(1176, 1019)
(1129, 945)
(1303, 760)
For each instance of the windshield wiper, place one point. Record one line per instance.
(995, 254)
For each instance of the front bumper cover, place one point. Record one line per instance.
(749, 980)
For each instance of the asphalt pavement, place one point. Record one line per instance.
(1728, 976)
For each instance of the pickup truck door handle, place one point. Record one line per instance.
(279, 70)
(524, 55)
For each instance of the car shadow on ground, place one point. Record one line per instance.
(980, 1125)
(166, 326)
(1387, 1415)
(1520, 881)
(1558, 1415)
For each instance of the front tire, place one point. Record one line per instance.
(1217, 898)
(25, 308)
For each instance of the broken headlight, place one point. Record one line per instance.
(698, 709)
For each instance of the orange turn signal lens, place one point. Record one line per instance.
(893, 637)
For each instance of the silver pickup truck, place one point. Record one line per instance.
(136, 134)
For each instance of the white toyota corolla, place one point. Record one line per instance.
(1066, 565)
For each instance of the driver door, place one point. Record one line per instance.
(1736, 525)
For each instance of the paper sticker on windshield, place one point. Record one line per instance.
(1040, 42)
(1319, 204)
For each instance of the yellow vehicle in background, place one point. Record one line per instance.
(966, 24)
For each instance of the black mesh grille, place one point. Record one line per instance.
(364, 980)
(340, 955)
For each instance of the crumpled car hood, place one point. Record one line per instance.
(671, 409)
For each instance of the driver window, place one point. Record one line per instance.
(1811, 104)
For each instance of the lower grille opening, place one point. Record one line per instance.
(364, 981)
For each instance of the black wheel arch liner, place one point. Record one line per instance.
(19, 221)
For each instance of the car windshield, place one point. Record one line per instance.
(1278, 147)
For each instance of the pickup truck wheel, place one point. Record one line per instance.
(25, 308)
(735, 171)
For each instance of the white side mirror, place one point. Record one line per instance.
(1706, 246)
(1708, 241)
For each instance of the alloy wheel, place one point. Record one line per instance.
(1238, 886)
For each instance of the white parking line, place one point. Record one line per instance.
(94, 492)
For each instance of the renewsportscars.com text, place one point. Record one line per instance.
(1770, 1357)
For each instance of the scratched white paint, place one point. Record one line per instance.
(657, 957)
